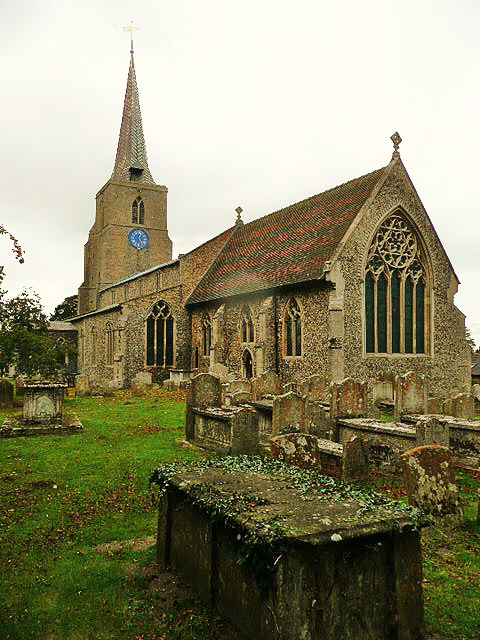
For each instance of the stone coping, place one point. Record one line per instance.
(325, 446)
(452, 421)
(265, 405)
(370, 424)
(219, 413)
(15, 427)
(45, 385)
(259, 503)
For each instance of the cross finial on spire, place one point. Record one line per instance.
(396, 139)
(239, 217)
(130, 28)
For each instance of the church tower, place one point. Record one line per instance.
(130, 233)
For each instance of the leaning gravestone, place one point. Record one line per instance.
(204, 390)
(430, 482)
(6, 393)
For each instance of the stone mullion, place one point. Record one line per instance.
(389, 312)
(414, 317)
(375, 316)
(402, 312)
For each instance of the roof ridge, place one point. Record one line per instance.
(316, 195)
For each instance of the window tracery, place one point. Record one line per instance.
(248, 332)
(138, 211)
(109, 343)
(395, 290)
(160, 336)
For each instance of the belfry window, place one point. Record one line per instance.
(396, 291)
(248, 333)
(138, 211)
(206, 336)
(292, 329)
(160, 336)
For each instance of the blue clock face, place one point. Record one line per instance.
(138, 238)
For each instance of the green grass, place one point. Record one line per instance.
(63, 496)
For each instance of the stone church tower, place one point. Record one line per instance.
(129, 234)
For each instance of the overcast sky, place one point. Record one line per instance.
(257, 103)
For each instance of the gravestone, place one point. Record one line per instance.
(6, 394)
(237, 397)
(220, 371)
(433, 431)
(410, 393)
(314, 387)
(204, 390)
(288, 413)
(349, 399)
(355, 460)
(460, 406)
(267, 384)
(141, 382)
(309, 451)
(435, 406)
(239, 385)
(430, 482)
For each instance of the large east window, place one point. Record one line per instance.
(160, 336)
(396, 291)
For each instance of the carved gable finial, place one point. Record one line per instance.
(239, 218)
(396, 139)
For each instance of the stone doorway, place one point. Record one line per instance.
(247, 365)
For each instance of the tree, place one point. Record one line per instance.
(17, 249)
(471, 341)
(66, 309)
(24, 339)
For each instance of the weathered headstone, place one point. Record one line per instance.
(382, 390)
(309, 451)
(141, 382)
(6, 393)
(204, 390)
(433, 431)
(355, 460)
(268, 383)
(239, 385)
(219, 370)
(430, 482)
(435, 406)
(410, 393)
(349, 398)
(288, 413)
(314, 387)
(290, 386)
(238, 397)
(460, 406)
(317, 419)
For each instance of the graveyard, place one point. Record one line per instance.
(79, 554)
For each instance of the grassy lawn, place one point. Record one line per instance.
(77, 527)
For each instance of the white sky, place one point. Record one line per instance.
(258, 103)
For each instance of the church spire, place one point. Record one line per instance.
(131, 161)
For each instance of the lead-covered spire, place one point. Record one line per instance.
(131, 161)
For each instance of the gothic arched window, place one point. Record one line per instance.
(248, 334)
(160, 336)
(109, 343)
(138, 211)
(396, 291)
(206, 335)
(93, 352)
(292, 329)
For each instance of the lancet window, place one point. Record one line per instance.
(396, 291)
(292, 329)
(160, 336)
(206, 336)
(138, 211)
(109, 343)
(248, 333)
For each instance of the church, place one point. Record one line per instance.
(353, 281)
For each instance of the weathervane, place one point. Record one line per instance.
(396, 139)
(130, 28)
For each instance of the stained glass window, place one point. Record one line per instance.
(160, 336)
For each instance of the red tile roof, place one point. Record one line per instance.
(285, 247)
